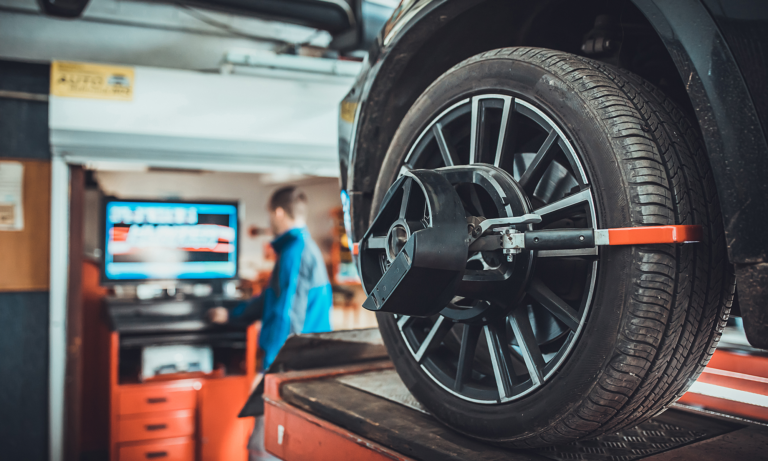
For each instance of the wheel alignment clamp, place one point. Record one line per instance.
(645, 235)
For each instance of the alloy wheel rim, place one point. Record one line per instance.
(498, 359)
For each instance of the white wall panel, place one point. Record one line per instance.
(186, 119)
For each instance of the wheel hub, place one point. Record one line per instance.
(396, 239)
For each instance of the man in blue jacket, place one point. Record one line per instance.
(298, 298)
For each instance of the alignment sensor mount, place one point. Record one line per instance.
(469, 231)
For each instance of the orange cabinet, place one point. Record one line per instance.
(153, 398)
(226, 435)
(156, 425)
(182, 449)
(189, 417)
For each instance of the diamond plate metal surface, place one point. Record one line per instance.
(643, 440)
(667, 431)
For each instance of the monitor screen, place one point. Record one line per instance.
(170, 240)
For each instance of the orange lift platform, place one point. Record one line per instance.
(337, 397)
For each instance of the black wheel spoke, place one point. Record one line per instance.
(529, 348)
(476, 130)
(538, 166)
(573, 162)
(554, 304)
(404, 321)
(447, 150)
(506, 133)
(475, 200)
(500, 359)
(560, 206)
(469, 339)
(434, 338)
(406, 197)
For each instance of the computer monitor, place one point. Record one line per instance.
(169, 240)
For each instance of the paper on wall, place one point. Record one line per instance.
(11, 203)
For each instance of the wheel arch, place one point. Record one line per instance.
(426, 38)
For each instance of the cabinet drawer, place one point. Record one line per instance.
(161, 450)
(157, 398)
(178, 423)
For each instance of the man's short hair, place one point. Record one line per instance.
(291, 199)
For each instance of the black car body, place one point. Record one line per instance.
(710, 56)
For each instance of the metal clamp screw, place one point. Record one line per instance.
(512, 242)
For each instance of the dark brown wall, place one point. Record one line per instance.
(24, 313)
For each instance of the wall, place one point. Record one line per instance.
(24, 314)
(24, 368)
(253, 191)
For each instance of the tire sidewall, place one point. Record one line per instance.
(597, 151)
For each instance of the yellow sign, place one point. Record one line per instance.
(95, 81)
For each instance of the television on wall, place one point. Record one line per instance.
(170, 240)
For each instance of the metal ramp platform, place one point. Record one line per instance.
(362, 411)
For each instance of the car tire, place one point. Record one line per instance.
(657, 311)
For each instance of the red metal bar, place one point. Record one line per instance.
(728, 372)
(654, 234)
(725, 406)
(753, 365)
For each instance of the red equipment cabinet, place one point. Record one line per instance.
(310, 437)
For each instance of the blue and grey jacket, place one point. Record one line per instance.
(298, 298)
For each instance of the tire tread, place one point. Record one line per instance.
(682, 295)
